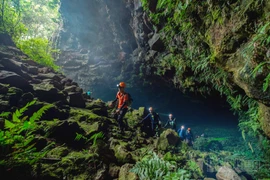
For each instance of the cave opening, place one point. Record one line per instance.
(204, 114)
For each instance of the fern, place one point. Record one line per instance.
(25, 108)
(266, 83)
(5, 114)
(235, 102)
(79, 137)
(180, 174)
(9, 125)
(258, 68)
(95, 137)
(12, 136)
(244, 135)
(152, 168)
(19, 123)
(37, 115)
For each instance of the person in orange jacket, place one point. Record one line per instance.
(122, 106)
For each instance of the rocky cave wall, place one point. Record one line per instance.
(104, 42)
(96, 41)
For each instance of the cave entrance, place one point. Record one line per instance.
(208, 116)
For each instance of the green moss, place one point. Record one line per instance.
(58, 152)
(50, 171)
(84, 115)
(134, 116)
(46, 125)
(14, 90)
(178, 159)
(98, 103)
(91, 128)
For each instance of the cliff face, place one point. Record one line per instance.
(96, 43)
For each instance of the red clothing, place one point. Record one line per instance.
(122, 97)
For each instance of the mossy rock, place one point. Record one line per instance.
(167, 140)
(66, 132)
(58, 152)
(80, 114)
(96, 104)
(100, 111)
(121, 153)
(78, 157)
(49, 171)
(92, 128)
(134, 116)
(125, 173)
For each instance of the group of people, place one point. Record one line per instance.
(186, 135)
(151, 120)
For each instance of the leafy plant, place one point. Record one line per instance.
(152, 168)
(95, 137)
(194, 168)
(16, 141)
(180, 174)
(258, 69)
(10, 19)
(32, 26)
(40, 50)
(79, 137)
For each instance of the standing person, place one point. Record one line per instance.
(122, 106)
(181, 133)
(171, 122)
(189, 137)
(155, 121)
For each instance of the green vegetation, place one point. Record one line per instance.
(40, 50)
(193, 168)
(94, 137)
(154, 167)
(209, 41)
(32, 26)
(17, 139)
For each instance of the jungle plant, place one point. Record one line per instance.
(259, 69)
(152, 167)
(248, 121)
(256, 51)
(194, 168)
(40, 50)
(32, 25)
(10, 18)
(180, 174)
(16, 140)
(94, 137)
(79, 137)
(260, 39)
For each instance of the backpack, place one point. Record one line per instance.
(130, 99)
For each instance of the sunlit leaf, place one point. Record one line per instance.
(9, 125)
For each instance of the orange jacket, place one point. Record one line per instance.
(122, 97)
